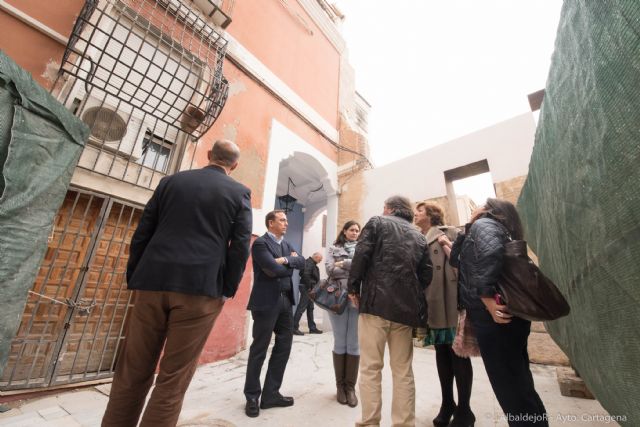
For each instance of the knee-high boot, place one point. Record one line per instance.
(351, 377)
(339, 368)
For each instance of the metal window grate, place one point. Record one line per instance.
(138, 67)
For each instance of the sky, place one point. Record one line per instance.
(435, 70)
(477, 187)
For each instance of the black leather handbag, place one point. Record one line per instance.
(329, 295)
(528, 293)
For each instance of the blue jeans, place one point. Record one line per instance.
(345, 331)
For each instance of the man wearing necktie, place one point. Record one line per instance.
(271, 302)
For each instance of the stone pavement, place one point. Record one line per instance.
(542, 348)
(215, 396)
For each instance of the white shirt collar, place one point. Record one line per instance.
(275, 239)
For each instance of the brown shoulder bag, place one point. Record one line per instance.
(528, 293)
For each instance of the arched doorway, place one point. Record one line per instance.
(302, 192)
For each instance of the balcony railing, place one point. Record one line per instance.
(146, 77)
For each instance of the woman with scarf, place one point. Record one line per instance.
(346, 352)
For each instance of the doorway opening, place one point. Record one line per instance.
(468, 187)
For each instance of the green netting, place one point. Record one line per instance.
(40, 142)
(581, 203)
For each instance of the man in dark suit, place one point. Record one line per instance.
(309, 276)
(271, 302)
(186, 257)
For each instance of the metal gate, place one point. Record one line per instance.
(74, 318)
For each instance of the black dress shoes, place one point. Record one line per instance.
(276, 401)
(315, 331)
(251, 408)
(297, 332)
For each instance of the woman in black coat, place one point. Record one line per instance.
(502, 338)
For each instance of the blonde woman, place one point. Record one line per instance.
(442, 300)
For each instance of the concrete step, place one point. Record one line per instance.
(572, 385)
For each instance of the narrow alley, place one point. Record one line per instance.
(215, 396)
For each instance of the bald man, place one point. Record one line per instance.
(309, 276)
(186, 258)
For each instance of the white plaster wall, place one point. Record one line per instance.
(283, 143)
(506, 146)
(312, 241)
(464, 209)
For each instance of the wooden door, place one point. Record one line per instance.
(34, 348)
(75, 312)
(96, 326)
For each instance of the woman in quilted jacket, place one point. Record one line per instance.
(502, 338)
(346, 352)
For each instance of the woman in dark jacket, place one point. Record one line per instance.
(502, 338)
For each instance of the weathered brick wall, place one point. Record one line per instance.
(510, 189)
(443, 202)
(350, 179)
(350, 201)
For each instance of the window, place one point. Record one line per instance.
(75, 105)
(156, 152)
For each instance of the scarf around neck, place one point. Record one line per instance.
(350, 247)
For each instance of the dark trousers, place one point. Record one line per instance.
(304, 304)
(182, 324)
(504, 352)
(278, 321)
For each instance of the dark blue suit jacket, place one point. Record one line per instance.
(268, 275)
(193, 236)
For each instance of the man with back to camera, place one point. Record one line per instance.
(389, 272)
(271, 302)
(186, 257)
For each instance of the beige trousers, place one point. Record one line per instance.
(374, 334)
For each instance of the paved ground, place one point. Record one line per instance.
(542, 349)
(215, 396)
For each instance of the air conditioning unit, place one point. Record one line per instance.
(127, 145)
(112, 129)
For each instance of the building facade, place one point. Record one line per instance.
(158, 81)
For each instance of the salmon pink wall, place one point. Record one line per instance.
(229, 332)
(279, 37)
(58, 15)
(30, 48)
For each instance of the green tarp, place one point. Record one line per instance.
(581, 200)
(40, 143)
